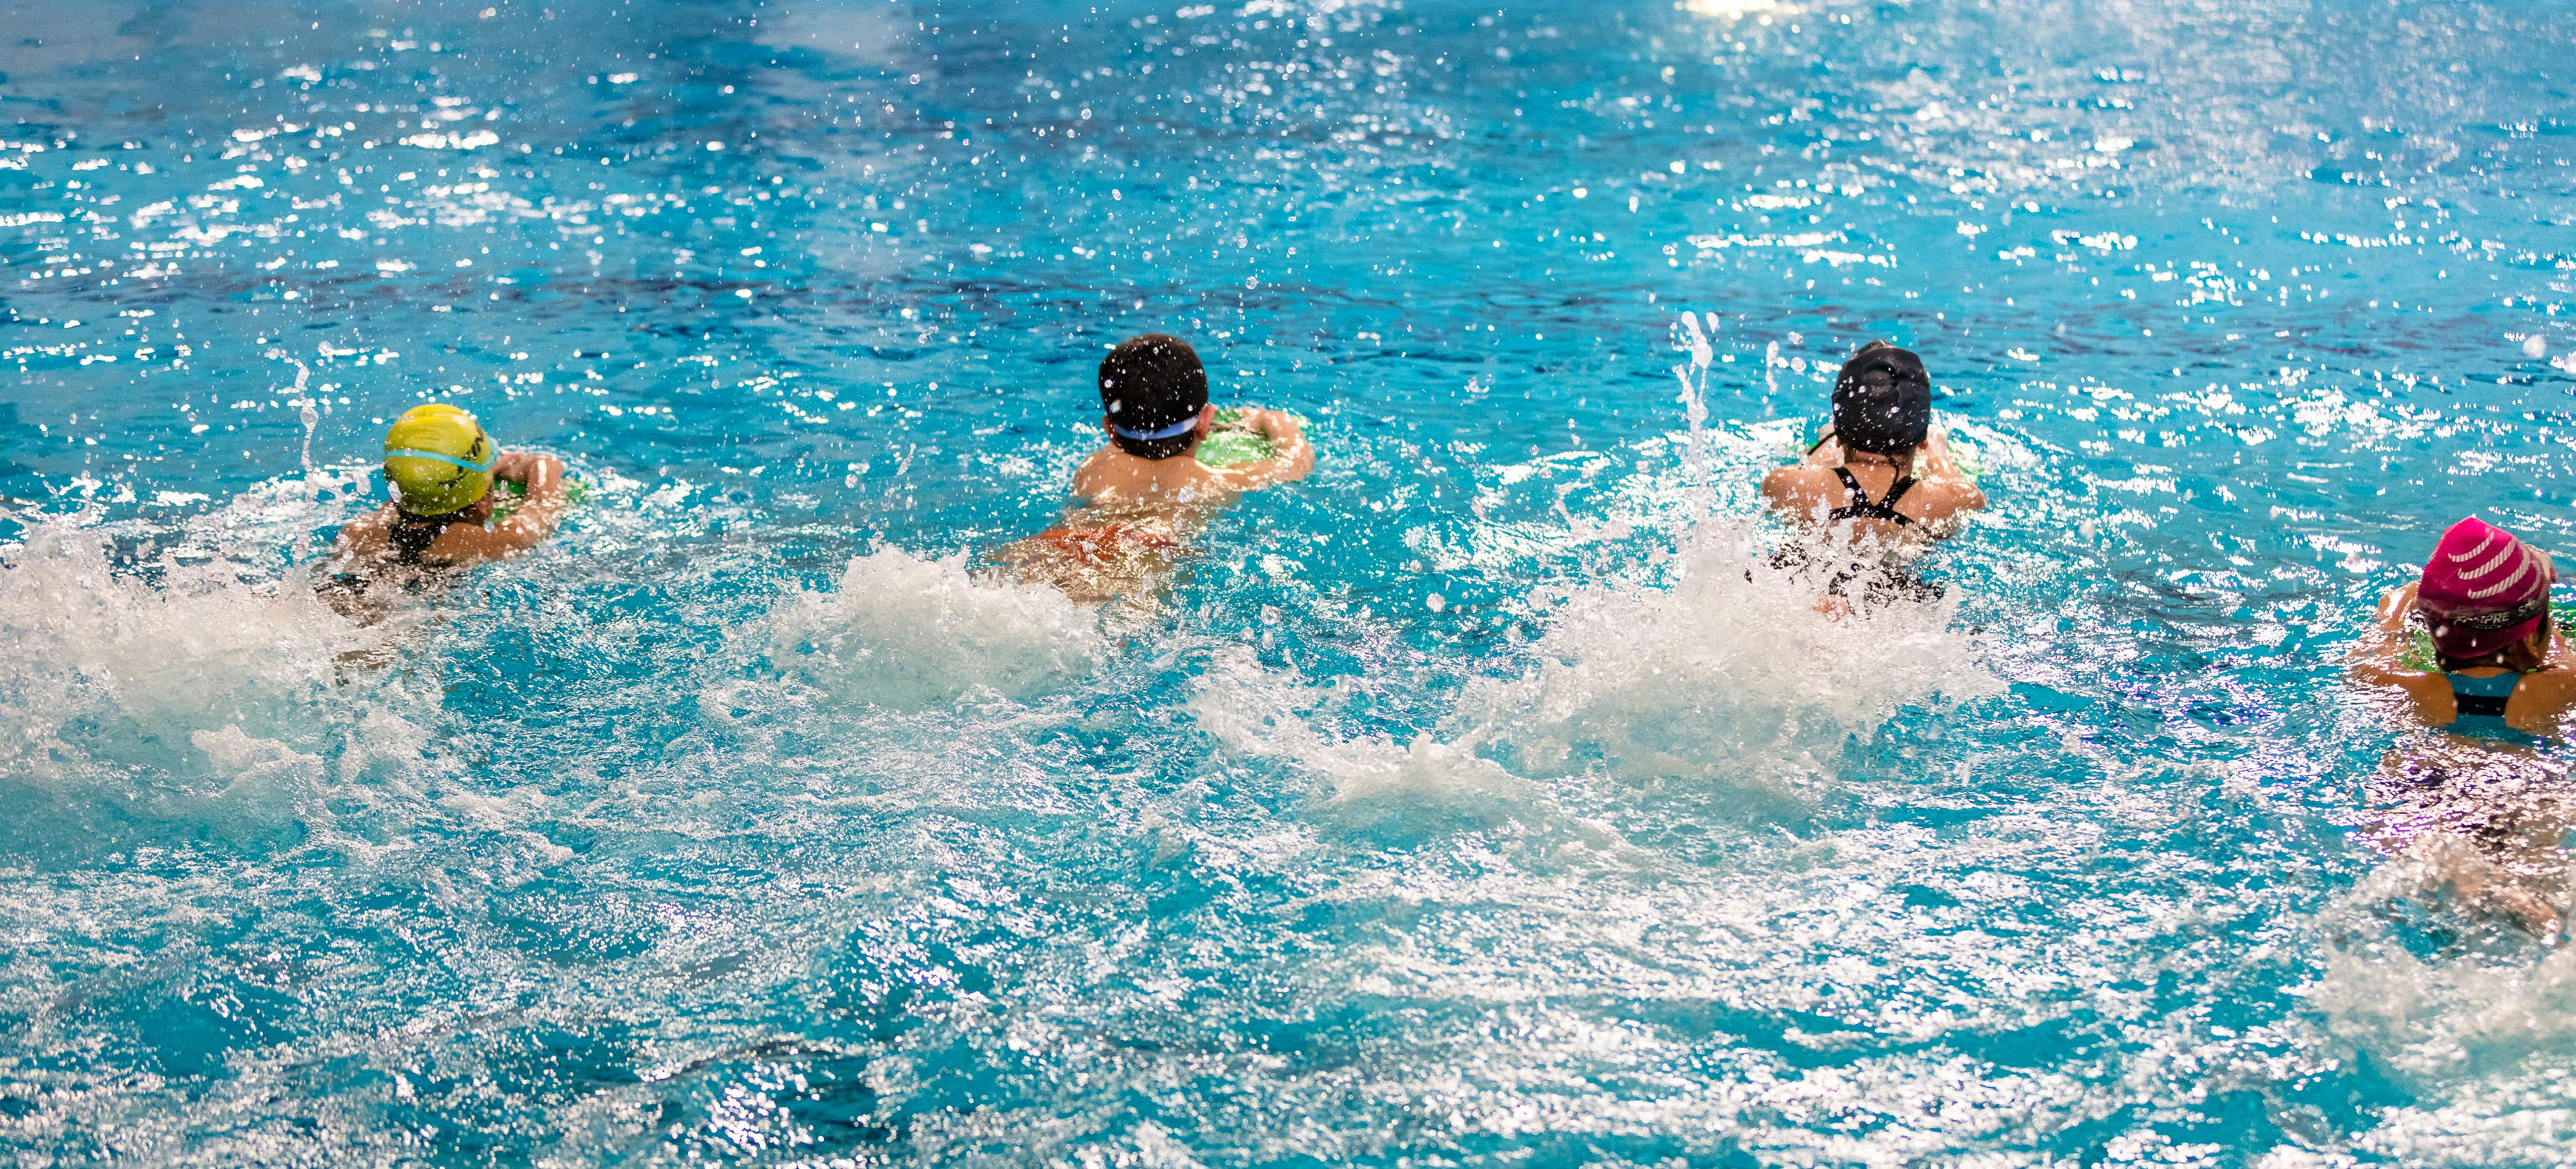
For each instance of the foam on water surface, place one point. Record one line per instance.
(912, 633)
(194, 700)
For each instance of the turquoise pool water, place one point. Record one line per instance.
(1463, 804)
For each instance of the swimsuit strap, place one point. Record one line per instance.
(1896, 491)
(412, 535)
(1862, 507)
(2483, 697)
(2481, 707)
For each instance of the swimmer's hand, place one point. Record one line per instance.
(2376, 657)
(1291, 456)
(527, 468)
(535, 519)
(1276, 425)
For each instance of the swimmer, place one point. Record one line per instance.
(1141, 497)
(445, 472)
(2474, 800)
(2499, 671)
(1878, 486)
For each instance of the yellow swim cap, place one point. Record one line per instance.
(439, 459)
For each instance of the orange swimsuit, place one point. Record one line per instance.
(1098, 545)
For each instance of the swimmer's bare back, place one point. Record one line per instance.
(1133, 517)
(1811, 490)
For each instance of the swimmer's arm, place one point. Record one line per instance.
(2562, 654)
(1939, 471)
(2555, 684)
(2556, 688)
(543, 475)
(2394, 609)
(1963, 495)
(1291, 455)
(2374, 657)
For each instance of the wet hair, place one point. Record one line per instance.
(1882, 401)
(1152, 382)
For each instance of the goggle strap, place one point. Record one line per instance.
(450, 460)
(1175, 430)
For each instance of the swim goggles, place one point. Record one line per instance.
(2500, 619)
(450, 460)
(1175, 430)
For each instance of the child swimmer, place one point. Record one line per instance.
(1142, 495)
(445, 472)
(2484, 810)
(1878, 487)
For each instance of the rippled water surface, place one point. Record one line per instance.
(1480, 800)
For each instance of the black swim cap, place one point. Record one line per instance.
(1882, 401)
(1151, 384)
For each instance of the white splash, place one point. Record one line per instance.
(197, 696)
(2478, 1034)
(311, 416)
(911, 634)
(1694, 402)
(1725, 675)
(1369, 782)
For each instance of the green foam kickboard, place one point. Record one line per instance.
(1230, 443)
(576, 493)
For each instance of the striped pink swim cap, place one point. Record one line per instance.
(2483, 590)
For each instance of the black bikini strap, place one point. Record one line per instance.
(1896, 492)
(1861, 507)
(2479, 704)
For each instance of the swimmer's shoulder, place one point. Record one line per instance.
(1110, 474)
(2429, 693)
(364, 536)
(374, 521)
(1800, 486)
(2543, 697)
(1934, 500)
(2540, 701)
(1104, 472)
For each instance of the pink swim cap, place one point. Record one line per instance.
(2483, 590)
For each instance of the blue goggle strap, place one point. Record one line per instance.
(1175, 430)
(450, 460)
